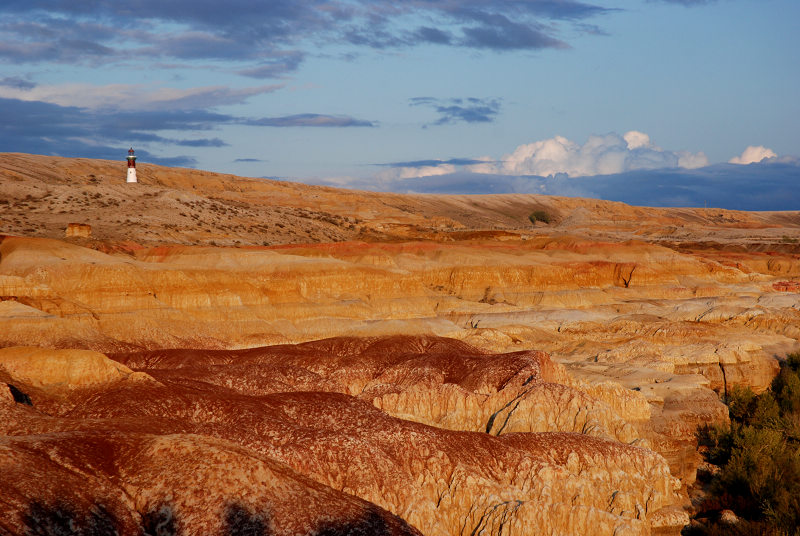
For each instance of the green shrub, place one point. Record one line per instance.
(766, 412)
(786, 387)
(740, 402)
(718, 441)
(759, 456)
(793, 362)
(540, 215)
(752, 472)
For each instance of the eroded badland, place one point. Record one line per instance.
(225, 355)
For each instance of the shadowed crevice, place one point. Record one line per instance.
(62, 520)
(160, 521)
(372, 523)
(19, 396)
(241, 521)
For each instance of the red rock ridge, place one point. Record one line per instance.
(214, 442)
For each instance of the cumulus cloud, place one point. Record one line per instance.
(556, 157)
(600, 155)
(412, 172)
(636, 139)
(752, 155)
(689, 160)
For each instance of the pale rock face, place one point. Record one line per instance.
(65, 369)
(5, 394)
(78, 230)
(727, 517)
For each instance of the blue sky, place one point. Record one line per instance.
(382, 93)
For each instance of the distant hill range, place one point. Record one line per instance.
(770, 185)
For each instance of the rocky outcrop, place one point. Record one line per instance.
(617, 316)
(61, 369)
(78, 230)
(66, 296)
(435, 381)
(204, 413)
(106, 481)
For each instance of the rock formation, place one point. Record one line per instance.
(78, 230)
(367, 363)
(210, 422)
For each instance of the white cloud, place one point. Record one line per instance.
(487, 165)
(636, 139)
(752, 155)
(414, 172)
(133, 96)
(558, 156)
(689, 160)
(600, 155)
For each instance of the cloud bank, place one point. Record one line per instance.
(309, 120)
(600, 155)
(628, 168)
(769, 185)
(99, 130)
(271, 39)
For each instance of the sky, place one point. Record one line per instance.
(578, 97)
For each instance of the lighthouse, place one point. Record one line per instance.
(131, 166)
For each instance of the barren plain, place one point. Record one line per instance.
(225, 355)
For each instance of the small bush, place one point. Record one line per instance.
(740, 401)
(540, 215)
(759, 455)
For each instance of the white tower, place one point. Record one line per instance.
(131, 166)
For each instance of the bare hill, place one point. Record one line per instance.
(41, 195)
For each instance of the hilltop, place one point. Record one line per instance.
(42, 194)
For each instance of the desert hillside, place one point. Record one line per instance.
(41, 195)
(218, 354)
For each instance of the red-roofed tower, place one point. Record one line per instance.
(131, 166)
